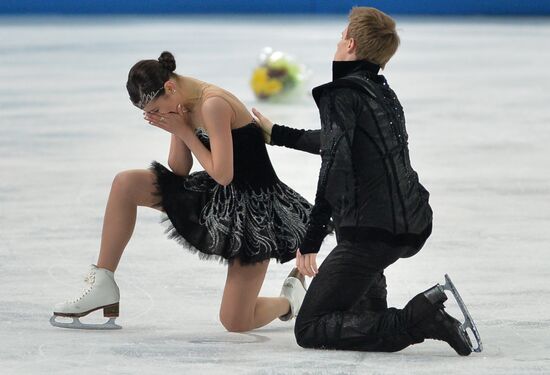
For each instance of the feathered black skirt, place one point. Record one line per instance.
(231, 222)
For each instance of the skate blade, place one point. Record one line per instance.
(294, 274)
(468, 320)
(77, 324)
(297, 275)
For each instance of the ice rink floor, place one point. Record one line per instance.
(476, 96)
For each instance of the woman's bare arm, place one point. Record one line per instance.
(180, 160)
(216, 113)
(218, 161)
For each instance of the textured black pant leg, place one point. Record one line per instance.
(327, 318)
(375, 298)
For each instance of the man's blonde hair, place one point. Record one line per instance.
(374, 34)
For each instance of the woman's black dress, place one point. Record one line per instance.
(254, 218)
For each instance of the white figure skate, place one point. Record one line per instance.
(294, 289)
(100, 293)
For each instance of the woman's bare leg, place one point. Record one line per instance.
(129, 190)
(241, 309)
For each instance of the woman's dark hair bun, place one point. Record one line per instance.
(167, 61)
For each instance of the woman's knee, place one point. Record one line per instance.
(136, 185)
(234, 322)
(123, 181)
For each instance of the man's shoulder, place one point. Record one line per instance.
(335, 90)
(352, 85)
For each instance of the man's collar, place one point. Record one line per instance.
(344, 68)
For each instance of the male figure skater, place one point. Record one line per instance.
(379, 208)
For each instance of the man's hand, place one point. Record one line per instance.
(306, 264)
(265, 124)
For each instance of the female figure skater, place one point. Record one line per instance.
(236, 210)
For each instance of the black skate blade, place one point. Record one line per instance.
(468, 320)
(77, 324)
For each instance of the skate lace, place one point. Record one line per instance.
(90, 280)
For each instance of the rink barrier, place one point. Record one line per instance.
(404, 7)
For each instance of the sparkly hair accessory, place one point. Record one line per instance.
(146, 98)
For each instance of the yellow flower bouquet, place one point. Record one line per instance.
(278, 77)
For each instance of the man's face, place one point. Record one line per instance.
(344, 48)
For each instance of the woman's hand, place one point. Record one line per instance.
(174, 123)
(265, 124)
(306, 264)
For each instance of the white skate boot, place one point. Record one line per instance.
(294, 289)
(100, 293)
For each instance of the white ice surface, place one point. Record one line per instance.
(476, 96)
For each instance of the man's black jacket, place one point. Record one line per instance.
(366, 183)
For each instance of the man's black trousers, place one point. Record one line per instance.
(345, 306)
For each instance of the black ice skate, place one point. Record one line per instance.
(441, 326)
(468, 320)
